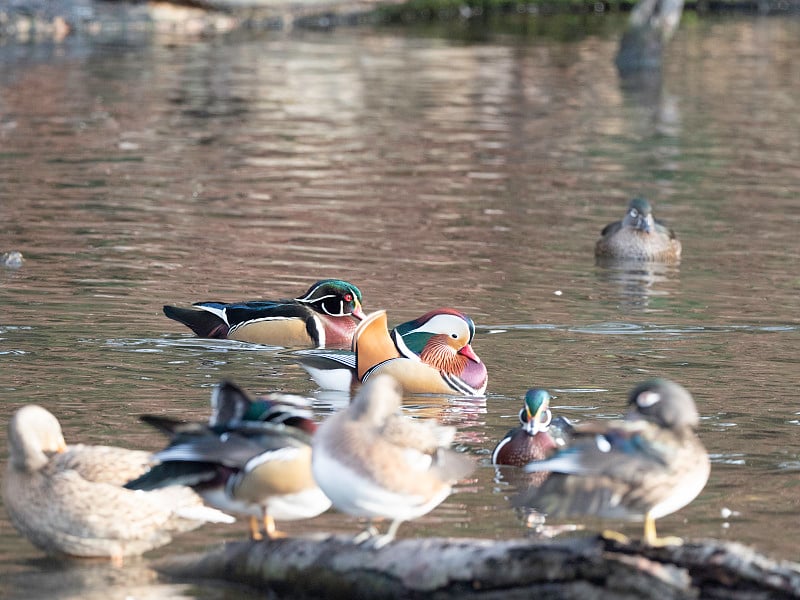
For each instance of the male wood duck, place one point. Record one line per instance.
(431, 354)
(324, 317)
(374, 462)
(69, 500)
(638, 236)
(253, 458)
(649, 465)
(531, 440)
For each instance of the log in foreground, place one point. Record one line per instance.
(443, 568)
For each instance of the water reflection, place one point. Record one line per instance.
(636, 282)
(73, 579)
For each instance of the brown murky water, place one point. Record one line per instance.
(430, 173)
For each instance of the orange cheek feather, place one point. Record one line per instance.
(439, 355)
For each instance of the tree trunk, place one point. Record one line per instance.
(651, 25)
(444, 568)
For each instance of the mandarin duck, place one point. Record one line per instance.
(646, 466)
(374, 462)
(69, 500)
(324, 317)
(252, 458)
(431, 354)
(639, 237)
(531, 440)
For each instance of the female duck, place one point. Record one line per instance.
(646, 466)
(69, 500)
(638, 237)
(373, 462)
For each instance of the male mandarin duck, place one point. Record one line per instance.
(646, 466)
(69, 500)
(431, 354)
(252, 458)
(638, 236)
(374, 462)
(324, 317)
(531, 440)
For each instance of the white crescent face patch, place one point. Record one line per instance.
(445, 324)
(646, 399)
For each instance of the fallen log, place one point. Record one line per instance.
(443, 568)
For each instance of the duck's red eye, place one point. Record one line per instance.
(348, 297)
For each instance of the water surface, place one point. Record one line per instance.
(430, 172)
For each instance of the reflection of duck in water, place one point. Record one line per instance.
(638, 237)
(636, 281)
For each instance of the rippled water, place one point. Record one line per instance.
(429, 172)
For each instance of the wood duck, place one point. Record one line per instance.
(531, 440)
(324, 317)
(374, 462)
(431, 354)
(252, 458)
(639, 237)
(647, 466)
(69, 500)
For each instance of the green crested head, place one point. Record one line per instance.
(334, 297)
(535, 415)
(257, 410)
(280, 412)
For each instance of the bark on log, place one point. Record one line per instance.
(591, 567)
